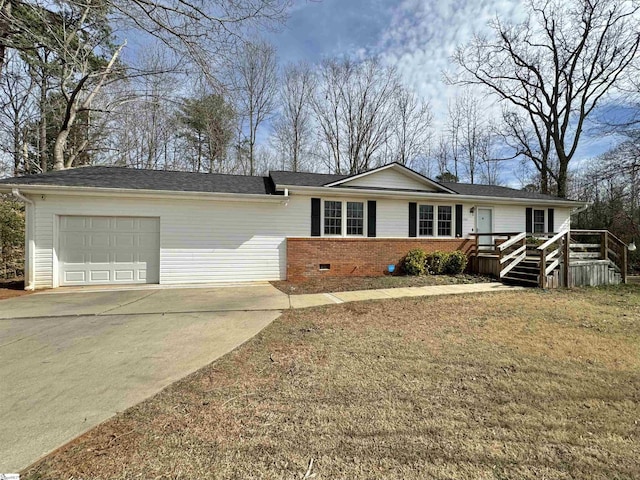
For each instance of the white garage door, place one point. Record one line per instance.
(109, 250)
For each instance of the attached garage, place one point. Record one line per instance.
(96, 250)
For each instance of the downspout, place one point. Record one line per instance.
(29, 240)
(580, 210)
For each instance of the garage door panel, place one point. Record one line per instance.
(74, 276)
(107, 250)
(73, 223)
(98, 258)
(126, 257)
(100, 224)
(126, 240)
(99, 276)
(124, 275)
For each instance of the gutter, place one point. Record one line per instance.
(29, 240)
(580, 209)
(133, 192)
(328, 191)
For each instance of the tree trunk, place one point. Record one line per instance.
(17, 149)
(5, 30)
(544, 176)
(563, 176)
(44, 157)
(58, 149)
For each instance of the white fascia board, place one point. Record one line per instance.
(132, 192)
(404, 171)
(454, 198)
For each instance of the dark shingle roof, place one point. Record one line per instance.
(494, 191)
(304, 179)
(130, 178)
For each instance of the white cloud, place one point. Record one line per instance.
(422, 36)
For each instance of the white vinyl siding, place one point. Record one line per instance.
(200, 241)
(389, 179)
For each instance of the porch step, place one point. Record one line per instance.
(520, 281)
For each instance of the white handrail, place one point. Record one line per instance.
(512, 241)
(552, 240)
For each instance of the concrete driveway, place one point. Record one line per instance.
(70, 360)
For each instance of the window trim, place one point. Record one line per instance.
(346, 231)
(543, 223)
(435, 220)
(451, 221)
(343, 219)
(323, 218)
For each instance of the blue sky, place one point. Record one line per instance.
(416, 36)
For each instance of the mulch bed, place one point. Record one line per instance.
(12, 288)
(347, 284)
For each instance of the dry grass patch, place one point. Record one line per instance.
(515, 385)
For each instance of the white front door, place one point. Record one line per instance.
(484, 224)
(108, 250)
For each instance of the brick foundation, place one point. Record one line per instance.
(363, 257)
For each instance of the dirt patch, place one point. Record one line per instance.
(12, 288)
(348, 284)
(524, 385)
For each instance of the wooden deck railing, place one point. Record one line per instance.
(507, 248)
(551, 255)
(600, 245)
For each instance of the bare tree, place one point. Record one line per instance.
(255, 87)
(527, 136)
(411, 126)
(354, 108)
(18, 112)
(294, 125)
(442, 154)
(556, 66)
(142, 118)
(201, 31)
(84, 69)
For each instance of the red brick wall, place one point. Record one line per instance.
(362, 257)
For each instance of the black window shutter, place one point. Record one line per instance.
(458, 220)
(371, 218)
(529, 220)
(550, 220)
(413, 217)
(315, 217)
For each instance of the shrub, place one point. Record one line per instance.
(456, 262)
(414, 262)
(436, 262)
(11, 238)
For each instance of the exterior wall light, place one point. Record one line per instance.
(632, 247)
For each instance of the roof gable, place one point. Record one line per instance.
(391, 177)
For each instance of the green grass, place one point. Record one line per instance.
(522, 385)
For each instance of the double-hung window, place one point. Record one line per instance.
(355, 218)
(347, 217)
(538, 221)
(445, 218)
(332, 217)
(435, 220)
(425, 220)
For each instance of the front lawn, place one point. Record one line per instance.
(524, 385)
(348, 284)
